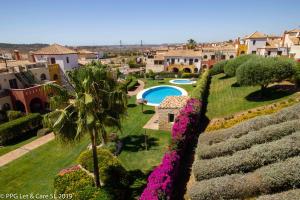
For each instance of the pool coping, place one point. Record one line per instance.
(140, 94)
(192, 82)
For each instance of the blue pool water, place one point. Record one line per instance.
(182, 81)
(158, 94)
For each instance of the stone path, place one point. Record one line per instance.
(152, 123)
(138, 89)
(17, 153)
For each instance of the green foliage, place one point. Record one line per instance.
(189, 75)
(266, 134)
(112, 173)
(271, 178)
(43, 131)
(233, 64)
(249, 159)
(201, 86)
(18, 127)
(263, 71)
(218, 68)
(151, 74)
(13, 114)
(191, 44)
(133, 64)
(296, 77)
(133, 83)
(78, 183)
(286, 114)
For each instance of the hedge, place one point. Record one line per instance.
(161, 182)
(293, 194)
(249, 159)
(271, 178)
(201, 86)
(13, 114)
(218, 68)
(189, 75)
(267, 134)
(286, 114)
(233, 64)
(19, 127)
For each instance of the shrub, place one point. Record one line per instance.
(292, 194)
(13, 114)
(19, 127)
(218, 68)
(112, 173)
(270, 133)
(201, 87)
(132, 84)
(76, 182)
(289, 113)
(297, 75)
(43, 131)
(189, 75)
(263, 71)
(232, 65)
(249, 159)
(275, 177)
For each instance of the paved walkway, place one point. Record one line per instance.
(17, 153)
(138, 89)
(152, 123)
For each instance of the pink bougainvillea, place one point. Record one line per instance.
(68, 170)
(161, 181)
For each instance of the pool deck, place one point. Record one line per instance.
(138, 89)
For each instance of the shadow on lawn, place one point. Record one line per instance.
(148, 112)
(134, 143)
(132, 105)
(272, 93)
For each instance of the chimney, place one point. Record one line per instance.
(31, 57)
(17, 55)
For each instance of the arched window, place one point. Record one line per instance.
(231, 57)
(196, 70)
(43, 77)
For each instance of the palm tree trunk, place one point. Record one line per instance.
(95, 159)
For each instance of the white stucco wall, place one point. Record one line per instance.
(260, 43)
(295, 50)
(180, 60)
(4, 80)
(61, 60)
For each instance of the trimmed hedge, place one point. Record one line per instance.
(233, 64)
(13, 114)
(218, 68)
(16, 128)
(201, 86)
(293, 194)
(286, 114)
(248, 160)
(189, 75)
(267, 134)
(271, 178)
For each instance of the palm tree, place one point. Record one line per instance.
(95, 104)
(191, 44)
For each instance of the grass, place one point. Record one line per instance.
(227, 98)
(11, 147)
(35, 171)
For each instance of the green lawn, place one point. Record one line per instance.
(226, 98)
(34, 172)
(11, 147)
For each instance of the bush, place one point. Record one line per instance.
(112, 173)
(249, 159)
(19, 127)
(267, 134)
(232, 65)
(218, 68)
(43, 131)
(132, 84)
(286, 114)
(297, 75)
(200, 90)
(13, 114)
(78, 183)
(189, 75)
(263, 71)
(292, 194)
(275, 177)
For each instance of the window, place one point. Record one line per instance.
(52, 60)
(269, 53)
(168, 60)
(213, 57)
(279, 53)
(160, 62)
(43, 77)
(223, 57)
(155, 62)
(254, 42)
(171, 117)
(13, 84)
(185, 60)
(253, 52)
(242, 52)
(205, 56)
(178, 60)
(55, 77)
(173, 61)
(191, 61)
(68, 60)
(231, 57)
(196, 60)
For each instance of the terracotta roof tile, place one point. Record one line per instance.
(55, 49)
(173, 102)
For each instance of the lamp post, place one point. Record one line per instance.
(142, 102)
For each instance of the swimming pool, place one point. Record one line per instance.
(155, 95)
(182, 81)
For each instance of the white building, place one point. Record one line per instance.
(291, 40)
(255, 41)
(57, 54)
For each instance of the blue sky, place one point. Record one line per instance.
(90, 22)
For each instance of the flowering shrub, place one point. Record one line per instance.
(161, 180)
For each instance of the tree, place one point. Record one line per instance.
(218, 67)
(191, 44)
(233, 64)
(263, 71)
(95, 104)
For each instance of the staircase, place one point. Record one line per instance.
(66, 82)
(26, 78)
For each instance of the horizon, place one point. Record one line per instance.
(101, 23)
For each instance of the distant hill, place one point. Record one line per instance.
(23, 48)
